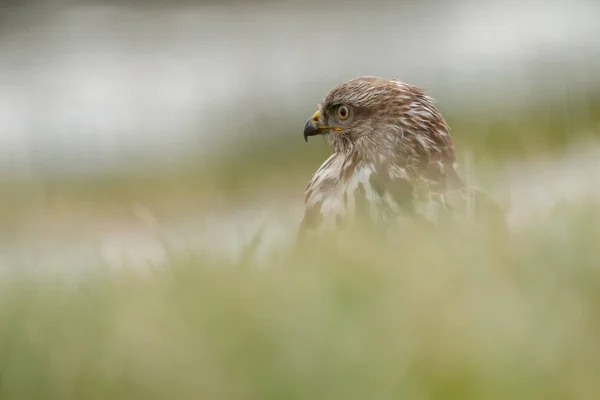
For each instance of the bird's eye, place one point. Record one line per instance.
(343, 112)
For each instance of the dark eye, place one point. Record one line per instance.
(343, 112)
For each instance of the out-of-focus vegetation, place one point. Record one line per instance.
(429, 317)
(433, 315)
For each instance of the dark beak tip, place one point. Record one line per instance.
(310, 129)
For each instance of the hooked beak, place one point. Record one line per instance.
(313, 128)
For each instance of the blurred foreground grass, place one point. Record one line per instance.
(428, 317)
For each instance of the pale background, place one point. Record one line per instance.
(91, 88)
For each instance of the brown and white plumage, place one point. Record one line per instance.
(392, 158)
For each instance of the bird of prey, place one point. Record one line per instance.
(393, 159)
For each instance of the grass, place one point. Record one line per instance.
(429, 317)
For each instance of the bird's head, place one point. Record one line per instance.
(380, 118)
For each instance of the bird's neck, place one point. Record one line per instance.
(403, 163)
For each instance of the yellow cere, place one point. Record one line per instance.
(315, 118)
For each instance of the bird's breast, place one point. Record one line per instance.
(343, 198)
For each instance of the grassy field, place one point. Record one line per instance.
(432, 316)
(429, 317)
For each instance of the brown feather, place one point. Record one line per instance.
(393, 157)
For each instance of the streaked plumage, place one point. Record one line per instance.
(393, 159)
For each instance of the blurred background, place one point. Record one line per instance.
(136, 135)
(118, 118)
